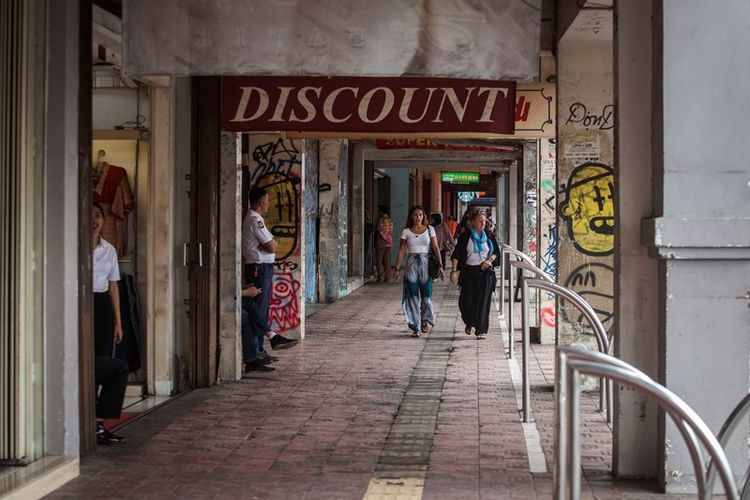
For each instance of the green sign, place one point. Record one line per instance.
(460, 177)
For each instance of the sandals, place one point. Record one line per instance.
(467, 330)
(415, 334)
(481, 336)
(425, 327)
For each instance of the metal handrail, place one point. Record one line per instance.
(687, 434)
(520, 258)
(572, 363)
(605, 390)
(737, 415)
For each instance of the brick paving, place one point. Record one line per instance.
(358, 409)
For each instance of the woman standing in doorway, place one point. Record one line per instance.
(110, 374)
(474, 258)
(417, 237)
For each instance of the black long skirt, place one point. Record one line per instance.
(475, 298)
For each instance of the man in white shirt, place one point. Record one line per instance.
(258, 249)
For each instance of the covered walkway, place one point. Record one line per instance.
(359, 409)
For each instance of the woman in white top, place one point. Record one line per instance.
(417, 237)
(106, 271)
(109, 373)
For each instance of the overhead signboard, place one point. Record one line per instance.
(459, 177)
(367, 105)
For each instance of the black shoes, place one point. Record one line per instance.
(280, 342)
(267, 358)
(258, 365)
(103, 436)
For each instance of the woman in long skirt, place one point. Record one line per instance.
(475, 256)
(416, 302)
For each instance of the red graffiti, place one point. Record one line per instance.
(284, 311)
(549, 317)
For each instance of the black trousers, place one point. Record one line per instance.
(112, 375)
(475, 298)
(104, 325)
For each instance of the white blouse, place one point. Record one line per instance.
(472, 257)
(105, 267)
(418, 243)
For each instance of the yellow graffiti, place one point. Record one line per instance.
(589, 209)
(282, 216)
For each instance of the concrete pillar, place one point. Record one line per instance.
(333, 173)
(276, 165)
(159, 274)
(230, 256)
(399, 204)
(636, 279)
(310, 203)
(700, 229)
(547, 240)
(437, 192)
(529, 196)
(357, 217)
(585, 183)
(61, 370)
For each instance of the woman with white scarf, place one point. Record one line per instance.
(474, 259)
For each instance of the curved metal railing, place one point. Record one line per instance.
(572, 363)
(738, 415)
(605, 391)
(529, 266)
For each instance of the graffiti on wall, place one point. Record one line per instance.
(579, 114)
(284, 311)
(276, 167)
(593, 282)
(280, 156)
(588, 208)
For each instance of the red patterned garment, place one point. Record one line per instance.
(112, 192)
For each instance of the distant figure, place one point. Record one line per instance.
(443, 235)
(416, 301)
(452, 225)
(383, 244)
(476, 253)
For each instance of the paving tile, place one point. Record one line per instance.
(357, 402)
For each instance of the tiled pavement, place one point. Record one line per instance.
(358, 409)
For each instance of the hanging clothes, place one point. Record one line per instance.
(129, 349)
(112, 191)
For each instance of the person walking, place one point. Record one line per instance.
(443, 235)
(416, 302)
(258, 247)
(475, 256)
(383, 245)
(452, 225)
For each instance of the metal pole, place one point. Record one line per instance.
(511, 333)
(525, 350)
(502, 281)
(561, 426)
(574, 434)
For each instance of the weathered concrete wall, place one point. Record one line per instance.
(332, 192)
(585, 184)
(548, 233)
(276, 165)
(310, 204)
